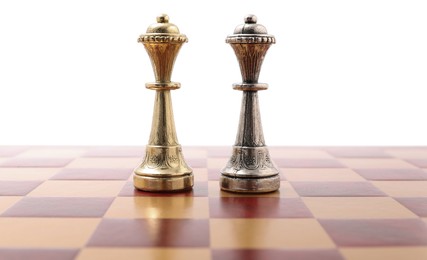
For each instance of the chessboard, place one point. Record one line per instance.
(333, 203)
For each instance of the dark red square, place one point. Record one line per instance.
(258, 207)
(17, 188)
(36, 162)
(38, 254)
(308, 163)
(336, 189)
(200, 189)
(59, 207)
(151, 233)
(116, 151)
(93, 174)
(275, 254)
(392, 174)
(416, 205)
(381, 232)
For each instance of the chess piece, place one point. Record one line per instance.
(163, 168)
(250, 168)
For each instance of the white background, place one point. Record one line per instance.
(341, 73)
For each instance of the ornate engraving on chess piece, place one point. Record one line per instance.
(163, 168)
(250, 168)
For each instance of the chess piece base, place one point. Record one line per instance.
(163, 170)
(250, 185)
(250, 170)
(160, 184)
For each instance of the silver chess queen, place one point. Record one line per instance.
(250, 168)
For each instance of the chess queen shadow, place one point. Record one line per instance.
(248, 206)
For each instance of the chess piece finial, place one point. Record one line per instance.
(163, 168)
(250, 168)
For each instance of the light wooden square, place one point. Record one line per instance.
(357, 208)
(63, 188)
(402, 188)
(321, 174)
(126, 162)
(146, 253)
(268, 234)
(27, 174)
(52, 153)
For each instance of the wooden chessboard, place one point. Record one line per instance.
(334, 203)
